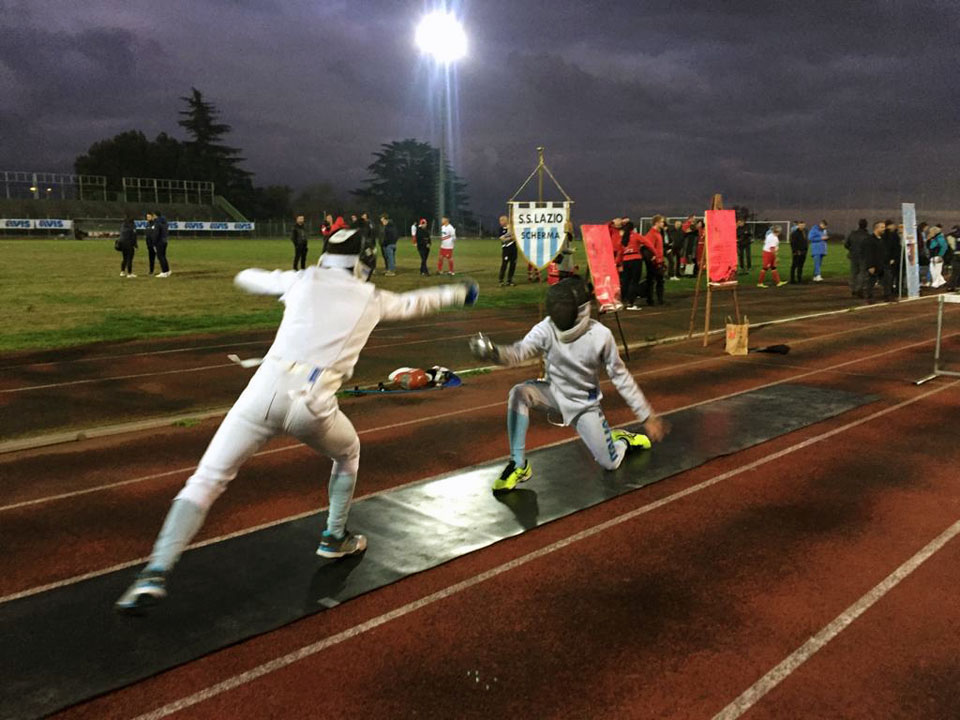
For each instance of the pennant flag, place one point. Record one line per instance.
(539, 229)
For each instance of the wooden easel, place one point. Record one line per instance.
(715, 204)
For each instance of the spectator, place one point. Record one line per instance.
(389, 245)
(877, 262)
(923, 255)
(744, 241)
(854, 245)
(891, 239)
(160, 242)
(817, 239)
(448, 238)
(938, 252)
(701, 227)
(150, 235)
(299, 239)
(372, 234)
(423, 246)
(651, 250)
(330, 226)
(771, 243)
(798, 251)
(689, 227)
(628, 257)
(674, 242)
(413, 233)
(508, 253)
(127, 244)
(955, 261)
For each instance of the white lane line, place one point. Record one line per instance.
(778, 674)
(306, 651)
(294, 446)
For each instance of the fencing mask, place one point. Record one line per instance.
(564, 301)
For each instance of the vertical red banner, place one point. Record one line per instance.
(721, 246)
(603, 268)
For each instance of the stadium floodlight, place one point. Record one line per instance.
(441, 36)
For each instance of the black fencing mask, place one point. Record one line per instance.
(564, 300)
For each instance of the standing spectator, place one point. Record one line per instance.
(923, 255)
(413, 232)
(150, 236)
(689, 227)
(701, 244)
(771, 243)
(854, 244)
(160, 242)
(651, 250)
(744, 240)
(299, 239)
(423, 245)
(448, 238)
(818, 248)
(877, 263)
(938, 251)
(798, 251)
(127, 244)
(675, 236)
(508, 253)
(955, 260)
(389, 245)
(628, 257)
(891, 239)
(372, 234)
(330, 226)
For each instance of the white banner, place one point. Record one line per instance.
(538, 228)
(30, 224)
(202, 226)
(911, 269)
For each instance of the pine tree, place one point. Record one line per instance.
(207, 158)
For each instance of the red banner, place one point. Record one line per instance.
(603, 269)
(721, 246)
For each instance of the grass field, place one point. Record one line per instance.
(59, 293)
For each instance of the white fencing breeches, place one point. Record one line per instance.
(591, 424)
(269, 406)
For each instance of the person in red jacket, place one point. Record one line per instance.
(626, 252)
(651, 251)
(329, 227)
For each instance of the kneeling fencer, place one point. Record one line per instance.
(575, 348)
(330, 311)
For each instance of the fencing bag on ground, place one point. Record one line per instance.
(738, 336)
(409, 378)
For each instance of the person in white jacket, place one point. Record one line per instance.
(575, 349)
(329, 312)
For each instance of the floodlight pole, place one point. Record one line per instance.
(441, 171)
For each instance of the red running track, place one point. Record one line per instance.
(672, 611)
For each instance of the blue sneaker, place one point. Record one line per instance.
(332, 546)
(147, 590)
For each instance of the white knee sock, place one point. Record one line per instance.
(183, 522)
(341, 493)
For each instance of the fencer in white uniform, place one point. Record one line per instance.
(329, 312)
(575, 348)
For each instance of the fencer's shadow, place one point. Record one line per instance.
(629, 474)
(523, 504)
(329, 580)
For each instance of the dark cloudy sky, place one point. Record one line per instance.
(642, 105)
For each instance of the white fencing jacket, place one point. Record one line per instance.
(573, 367)
(328, 317)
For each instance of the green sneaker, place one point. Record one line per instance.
(634, 440)
(512, 475)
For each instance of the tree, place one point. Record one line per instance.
(130, 154)
(207, 158)
(316, 200)
(403, 183)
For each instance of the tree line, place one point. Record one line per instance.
(402, 178)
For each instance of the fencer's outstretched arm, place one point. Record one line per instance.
(534, 343)
(624, 382)
(400, 306)
(265, 282)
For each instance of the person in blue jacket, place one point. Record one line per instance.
(817, 239)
